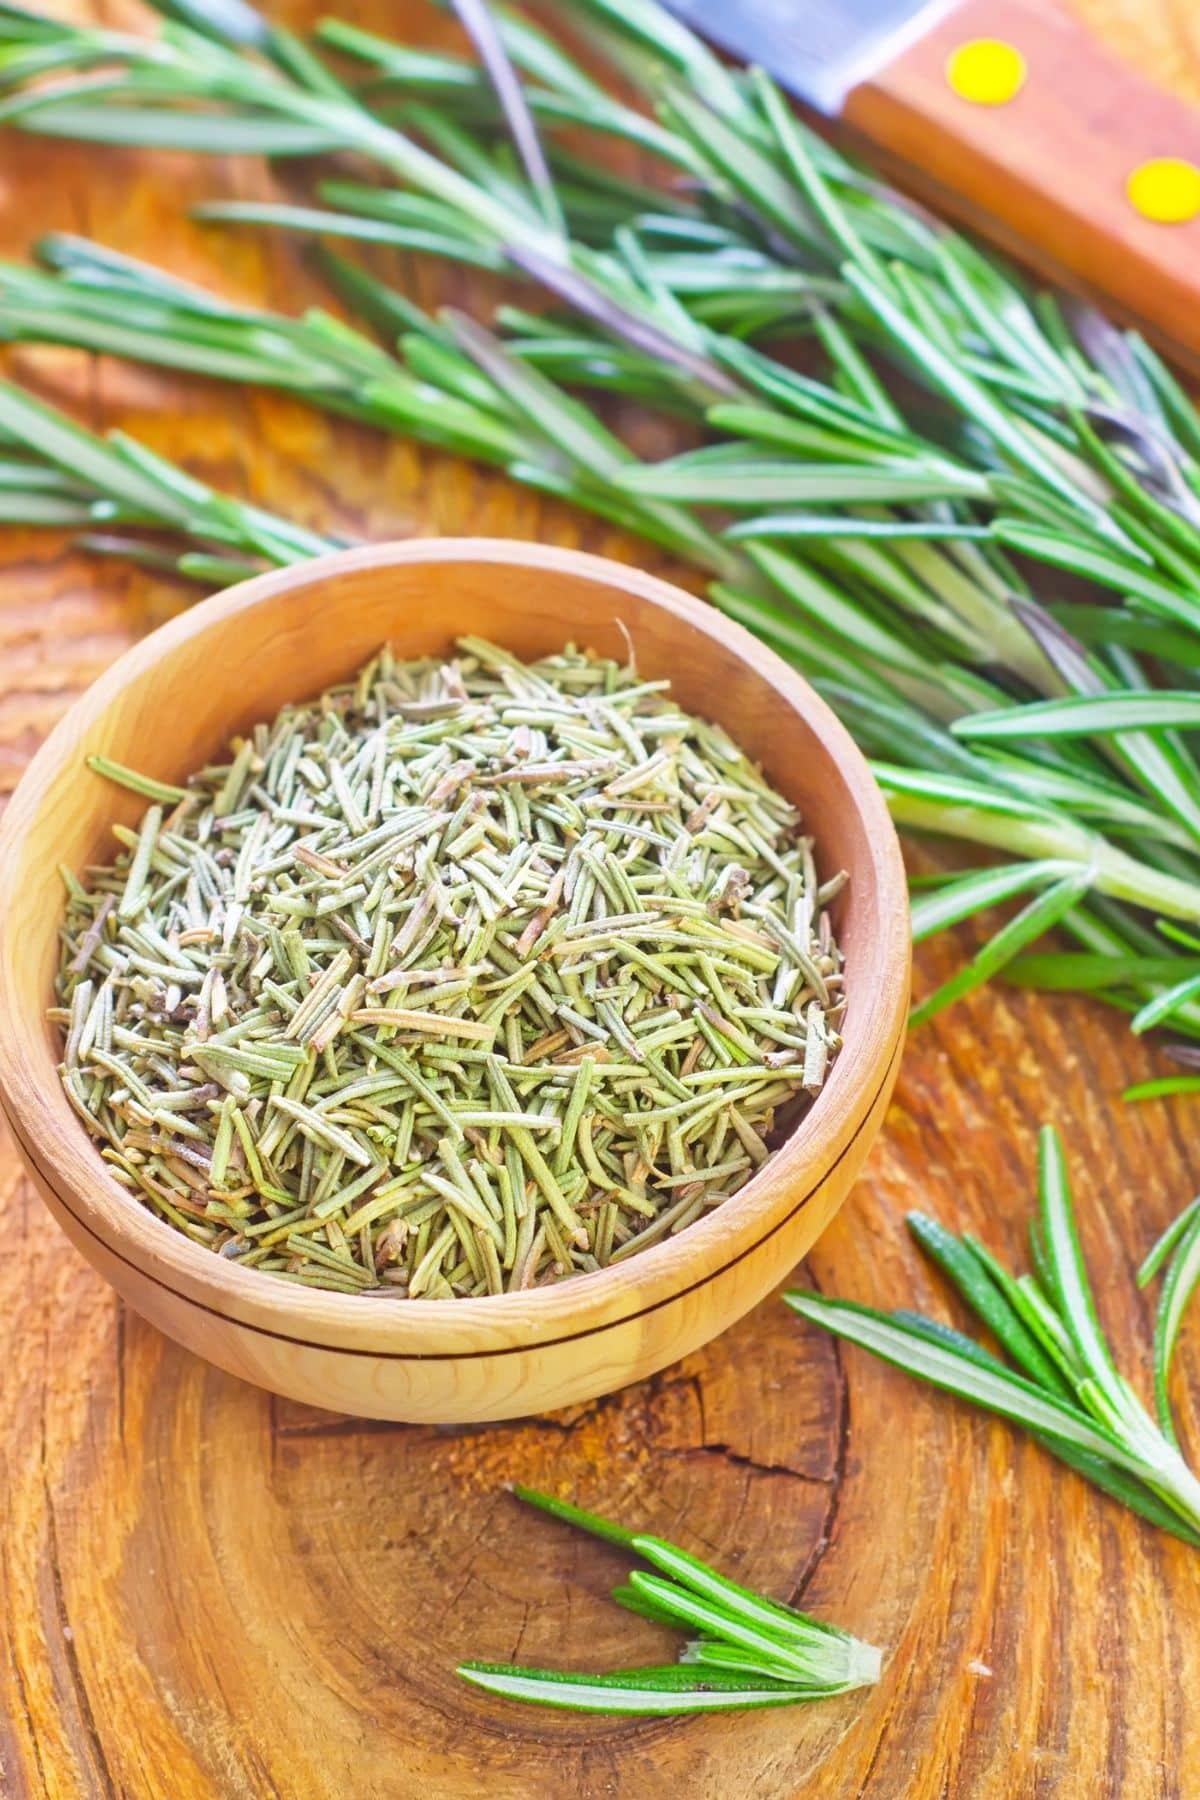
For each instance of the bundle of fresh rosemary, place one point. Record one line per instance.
(898, 517)
(465, 977)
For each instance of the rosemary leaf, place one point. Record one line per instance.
(674, 1688)
(1181, 1243)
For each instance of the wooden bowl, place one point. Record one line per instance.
(172, 702)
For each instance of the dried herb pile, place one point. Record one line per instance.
(463, 978)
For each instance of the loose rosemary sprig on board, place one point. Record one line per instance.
(748, 1651)
(1060, 1382)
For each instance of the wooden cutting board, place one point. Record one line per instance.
(206, 1592)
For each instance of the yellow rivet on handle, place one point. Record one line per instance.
(1166, 189)
(987, 71)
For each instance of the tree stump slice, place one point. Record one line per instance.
(205, 1591)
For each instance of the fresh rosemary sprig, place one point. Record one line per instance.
(1065, 1389)
(54, 472)
(748, 1651)
(1179, 1248)
(1041, 431)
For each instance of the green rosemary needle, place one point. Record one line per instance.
(1065, 1389)
(750, 1651)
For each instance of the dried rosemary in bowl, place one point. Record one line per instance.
(462, 978)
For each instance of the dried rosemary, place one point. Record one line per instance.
(465, 977)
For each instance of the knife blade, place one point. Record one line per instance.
(818, 49)
(1056, 173)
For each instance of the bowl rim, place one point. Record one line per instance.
(862, 1072)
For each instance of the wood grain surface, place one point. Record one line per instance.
(204, 1593)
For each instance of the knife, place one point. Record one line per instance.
(1009, 115)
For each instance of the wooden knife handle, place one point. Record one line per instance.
(1045, 173)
